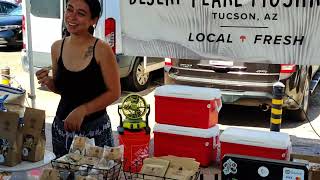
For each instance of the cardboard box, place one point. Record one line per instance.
(187, 106)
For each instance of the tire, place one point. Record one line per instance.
(137, 80)
(300, 114)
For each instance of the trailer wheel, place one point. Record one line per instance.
(137, 80)
(299, 114)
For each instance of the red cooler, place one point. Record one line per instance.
(136, 149)
(188, 106)
(266, 144)
(201, 144)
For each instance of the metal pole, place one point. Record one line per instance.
(32, 94)
(276, 110)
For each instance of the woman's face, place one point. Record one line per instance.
(77, 17)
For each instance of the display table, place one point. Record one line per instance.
(20, 171)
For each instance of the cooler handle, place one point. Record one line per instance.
(220, 105)
(216, 106)
(215, 142)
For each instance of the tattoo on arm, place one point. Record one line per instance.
(89, 52)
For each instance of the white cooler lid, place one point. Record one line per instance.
(187, 131)
(269, 139)
(188, 92)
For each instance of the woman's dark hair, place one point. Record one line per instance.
(95, 10)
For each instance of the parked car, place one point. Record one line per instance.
(6, 7)
(248, 84)
(11, 28)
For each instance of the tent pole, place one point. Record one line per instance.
(32, 94)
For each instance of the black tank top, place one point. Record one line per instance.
(77, 88)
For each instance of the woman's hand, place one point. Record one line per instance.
(75, 118)
(43, 76)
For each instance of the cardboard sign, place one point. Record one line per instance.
(277, 31)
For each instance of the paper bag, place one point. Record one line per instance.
(34, 138)
(94, 151)
(79, 144)
(10, 139)
(113, 153)
(181, 168)
(154, 167)
(50, 174)
(86, 178)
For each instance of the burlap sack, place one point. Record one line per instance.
(10, 139)
(34, 138)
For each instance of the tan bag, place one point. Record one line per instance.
(10, 139)
(34, 138)
(50, 174)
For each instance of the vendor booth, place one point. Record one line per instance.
(187, 139)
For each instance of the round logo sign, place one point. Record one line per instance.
(263, 171)
(25, 152)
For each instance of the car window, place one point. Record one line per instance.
(16, 12)
(45, 8)
(6, 7)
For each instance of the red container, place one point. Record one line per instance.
(266, 144)
(136, 149)
(187, 106)
(201, 144)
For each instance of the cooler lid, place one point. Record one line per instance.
(187, 131)
(269, 139)
(188, 92)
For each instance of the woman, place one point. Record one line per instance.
(85, 74)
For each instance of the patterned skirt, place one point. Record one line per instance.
(99, 129)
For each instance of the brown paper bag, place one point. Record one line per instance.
(50, 174)
(78, 145)
(113, 153)
(34, 138)
(10, 139)
(86, 178)
(94, 151)
(179, 173)
(181, 168)
(154, 167)
(89, 161)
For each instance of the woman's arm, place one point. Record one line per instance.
(43, 74)
(55, 53)
(110, 72)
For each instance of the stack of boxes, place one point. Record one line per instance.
(187, 120)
